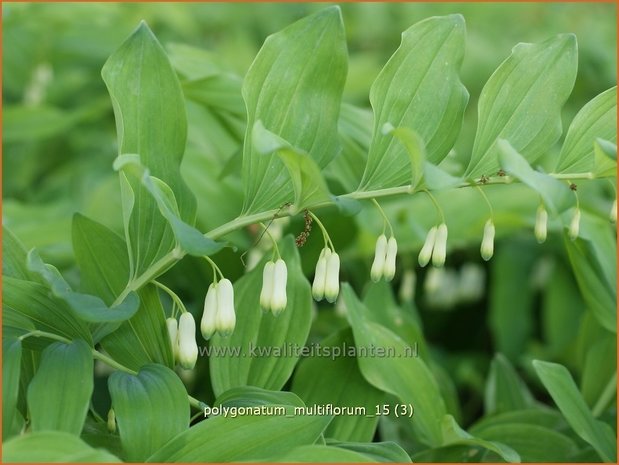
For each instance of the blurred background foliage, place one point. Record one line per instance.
(59, 142)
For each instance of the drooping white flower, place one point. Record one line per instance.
(574, 225)
(172, 326)
(208, 324)
(268, 277)
(226, 318)
(392, 252)
(332, 279)
(613, 212)
(280, 279)
(541, 224)
(111, 420)
(320, 276)
(187, 347)
(440, 246)
(380, 255)
(426, 251)
(487, 242)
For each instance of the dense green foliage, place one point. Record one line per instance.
(141, 157)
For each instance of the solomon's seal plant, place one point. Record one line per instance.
(207, 164)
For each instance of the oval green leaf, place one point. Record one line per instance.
(244, 438)
(597, 119)
(59, 394)
(155, 397)
(419, 88)
(515, 103)
(294, 86)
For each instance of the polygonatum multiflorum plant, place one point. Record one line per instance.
(308, 156)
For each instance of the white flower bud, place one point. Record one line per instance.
(226, 318)
(426, 251)
(111, 420)
(487, 242)
(541, 224)
(575, 225)
(172, 326)
(332, 281)
(613, 212)
(278, 299)
(440, 246)
(320, 276)
(187, 347)
(267, 286)
(392, 252)
(208, 324)
(380, 255)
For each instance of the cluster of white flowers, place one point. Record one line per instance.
(274, 279)
(385, 255)
(327, 276)
(183, 339)
(218, 315)
(434, 247)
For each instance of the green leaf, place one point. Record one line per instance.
(355, 131)
(419, 89)
(337, 380)
(155, 397)
(377, 451)
(556, 194)
(12, 421)
(263, 342)
(101, 256)
(515, 103)
(562, 311)
(597, 119)
(150, 119)
(532, 442)
(453, 434)
(564, 392)
(22, 123)
(384, 310)
(188, 238)
(245, 438)
(220, 92)
(294, 86)
(594, 282)
(505, 390)
(415, 149)
(87, 307)
(511, 298)
(435, 178)
(600, 371)
(604, 159)
(317, 453)
(59, 394)
(52, 446)
(539, 416)
(48, 313)
(307, 181)
(13, 256)
(250, 396)
(144, 338)
(404, 376)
